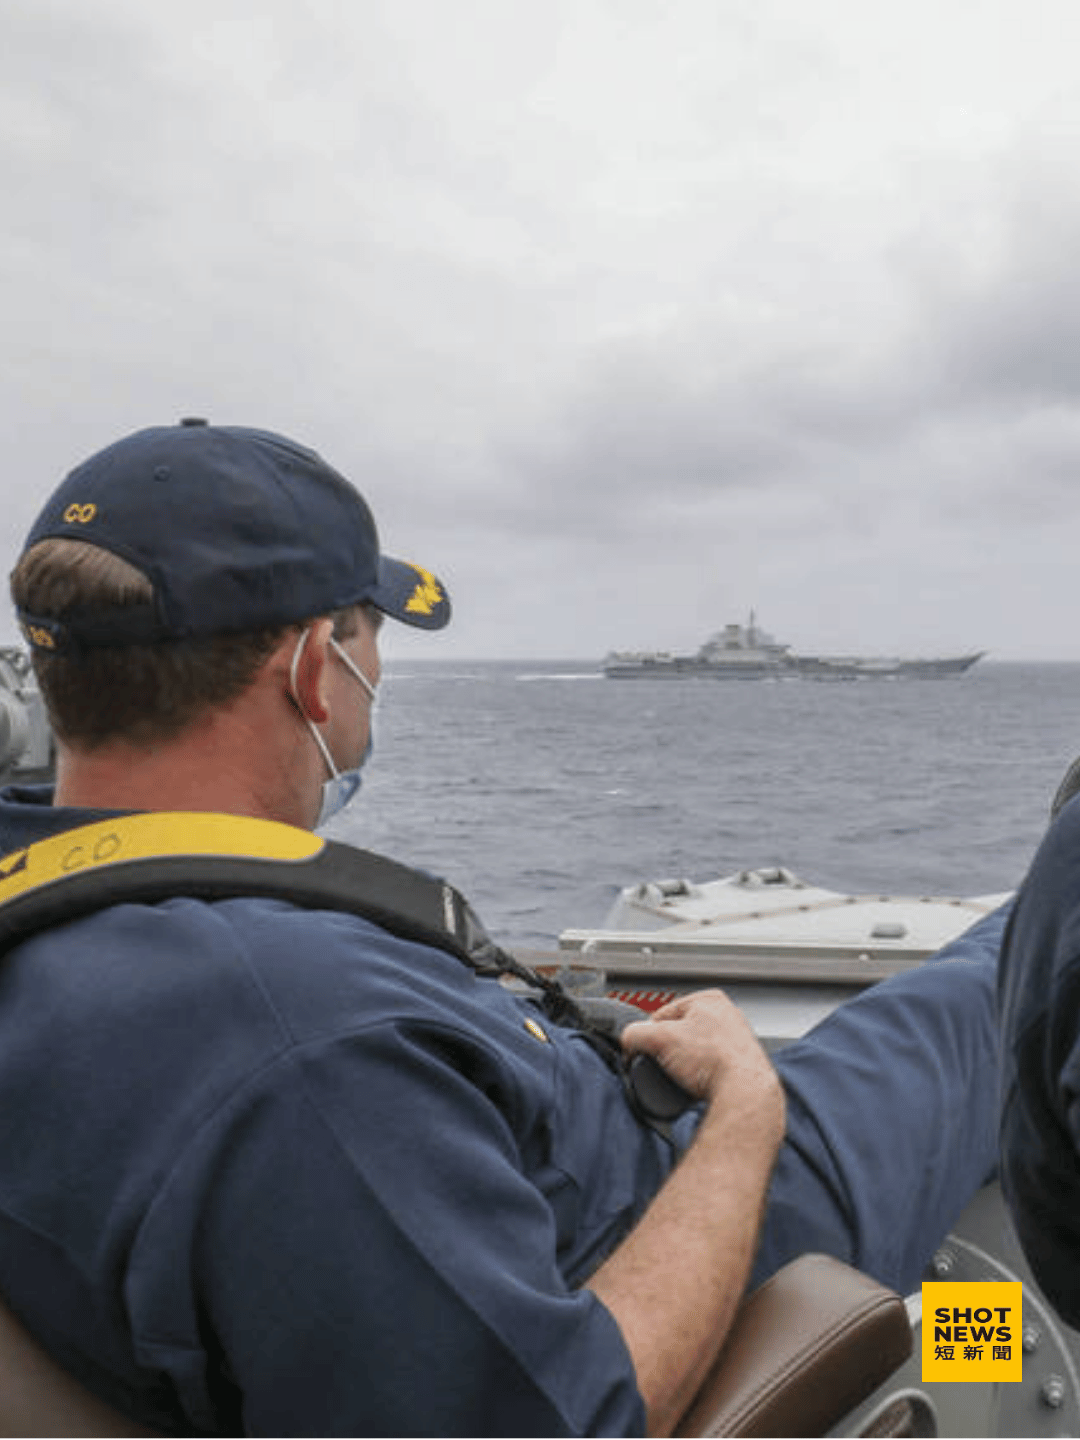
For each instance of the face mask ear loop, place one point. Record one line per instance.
(354, 669)
(324, 749)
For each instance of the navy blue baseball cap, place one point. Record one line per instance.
(235, 529)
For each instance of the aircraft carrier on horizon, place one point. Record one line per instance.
(746, 652)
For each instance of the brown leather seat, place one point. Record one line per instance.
(805, 1349)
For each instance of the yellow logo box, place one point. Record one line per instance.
(972, 1330)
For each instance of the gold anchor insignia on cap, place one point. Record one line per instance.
(427, 595)
(537, 1031)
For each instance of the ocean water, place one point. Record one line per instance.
(541, 789)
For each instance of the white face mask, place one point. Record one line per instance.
(342, 786)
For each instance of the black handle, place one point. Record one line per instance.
(656, 1094)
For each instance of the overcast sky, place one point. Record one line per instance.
(626, 315)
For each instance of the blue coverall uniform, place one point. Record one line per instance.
(277, 1171)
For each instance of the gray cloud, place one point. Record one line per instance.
(627, 316)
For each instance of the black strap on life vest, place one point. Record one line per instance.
(153, 856)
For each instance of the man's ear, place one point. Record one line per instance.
(310, 689)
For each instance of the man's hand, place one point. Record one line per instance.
(705, 1043)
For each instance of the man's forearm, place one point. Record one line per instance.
(674, 1285)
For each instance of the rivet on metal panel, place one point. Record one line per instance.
(943, 1262)
(1053, 1392)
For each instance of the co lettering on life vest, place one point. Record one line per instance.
(145, 838)
(104, 849)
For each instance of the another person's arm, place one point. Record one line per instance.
(673, 1286)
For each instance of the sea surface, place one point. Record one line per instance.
(541, 789)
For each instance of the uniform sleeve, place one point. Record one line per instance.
(351, 1246)
(1039, 1016)
(1046, 1201)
